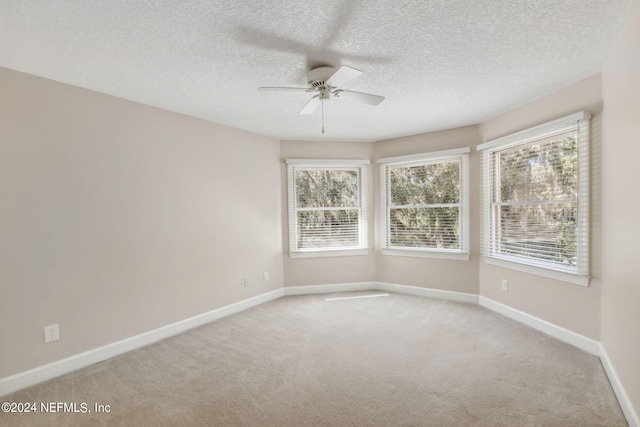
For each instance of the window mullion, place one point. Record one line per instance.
(319, 218)
(536, 196)
(426, 206)
(416, 217)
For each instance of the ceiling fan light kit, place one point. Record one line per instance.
(325, 81)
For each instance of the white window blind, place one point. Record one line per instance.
(536, 196)
(326, 206)
(426, 202)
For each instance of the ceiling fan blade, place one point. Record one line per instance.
(281, 89)
(365, 98)
(343, 75)
(311, 105)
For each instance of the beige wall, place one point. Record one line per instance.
(118, 218)
(620, 333)
(449, 275)
(327, 270)
(459, 276)
(570, 306)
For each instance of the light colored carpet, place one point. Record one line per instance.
(396, 360)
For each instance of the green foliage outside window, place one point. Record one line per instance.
(327, 208)
(537, 206)
(424, 209)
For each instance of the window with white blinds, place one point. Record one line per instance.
(536, 197)
(426, 204)
(327, 207)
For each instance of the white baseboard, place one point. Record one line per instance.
(587, 344)
(428, 292)
(327, 289)
(580, 341)
(625, 403)
(382, 286)
(52, 370)
(60, 367)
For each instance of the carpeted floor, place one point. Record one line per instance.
(395, 360)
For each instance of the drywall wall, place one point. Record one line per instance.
(327, 270)
(449, 275)
(570, 306)
(620, 333)
(459, 276)
(117, 218)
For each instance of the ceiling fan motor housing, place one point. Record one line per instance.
(319, 75)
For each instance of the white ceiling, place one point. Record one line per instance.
(439, 63)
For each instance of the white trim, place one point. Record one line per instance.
(623, 398)
(328, 253)
(436, 155)
(327, 162)
(460, 155)
(465, 204)
(81, 360)
(424, 253)
(382, 286)
(537, 132)
(584, 343)
(428, 292)
(42, 373)
(539, 271)
(327, 289)
(491, 242)
(360, 166)
(580, 341)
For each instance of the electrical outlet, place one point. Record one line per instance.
(51, 333)
(246, 282)
(505, 285)
(265, 276)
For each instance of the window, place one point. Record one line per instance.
(327, 207)
(536, 190)
(425, 204)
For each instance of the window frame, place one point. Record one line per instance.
(490, 246)
(460, 155)
(361, 167)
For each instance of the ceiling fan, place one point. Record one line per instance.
(326, 82)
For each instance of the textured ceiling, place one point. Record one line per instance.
(439, 63)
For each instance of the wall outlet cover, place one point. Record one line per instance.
(51, 333)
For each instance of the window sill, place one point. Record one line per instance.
(329, 253)
(457, 256)
(551, 274)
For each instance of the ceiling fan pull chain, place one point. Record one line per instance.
(322, 107)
